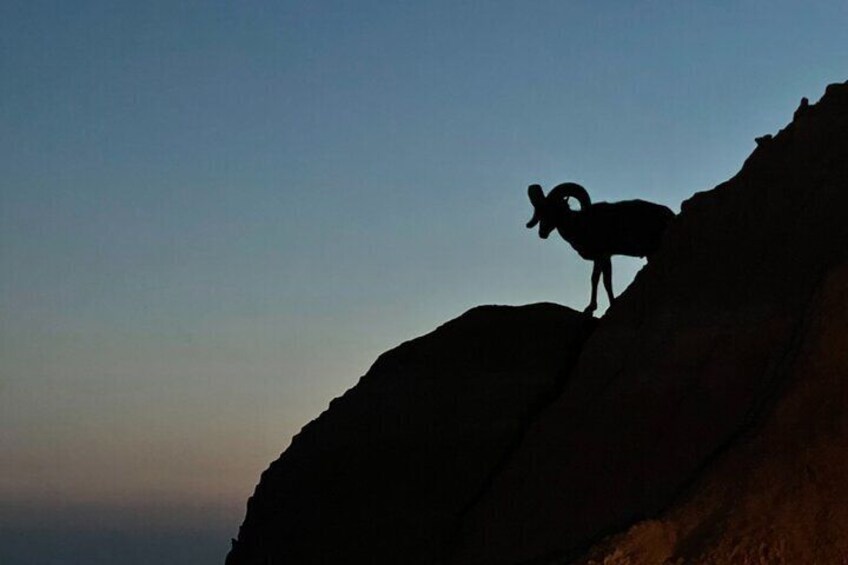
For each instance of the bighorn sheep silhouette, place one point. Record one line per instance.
(599, 231)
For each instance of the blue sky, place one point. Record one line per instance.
(215, 215)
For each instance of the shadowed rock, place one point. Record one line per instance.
(778, 494)
(383, 475)
(691, 360)
(705, 420)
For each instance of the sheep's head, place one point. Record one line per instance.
(553, 209)
(543, 214)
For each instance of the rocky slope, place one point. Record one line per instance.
(387, 470)
(779, 495)
(705, 419)
(723, 361)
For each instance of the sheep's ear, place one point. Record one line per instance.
(534, 191)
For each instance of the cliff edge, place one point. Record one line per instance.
(384, 474)
(704, 419)
(704, 363)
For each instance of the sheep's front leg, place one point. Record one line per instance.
(596, 276)
(606, 266)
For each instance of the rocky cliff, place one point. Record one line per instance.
(384, 474)
(692, 358)
(705, 419)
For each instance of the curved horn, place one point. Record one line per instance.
(537, 197)
(568, 189)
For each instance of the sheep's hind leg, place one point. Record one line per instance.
(607, 271)
(596, 276)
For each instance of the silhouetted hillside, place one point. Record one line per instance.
(705, 419)
(678, 377)
(387, 470)
(776, 490)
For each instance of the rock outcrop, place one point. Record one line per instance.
(383, 475)
(724, 357)
(704, 419)
(779, 494)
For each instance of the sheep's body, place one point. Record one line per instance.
(599, 231)
(630, 227)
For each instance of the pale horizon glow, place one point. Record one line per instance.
(215, 216)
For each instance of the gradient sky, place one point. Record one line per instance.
(215, 215)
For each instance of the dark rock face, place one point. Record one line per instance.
(707, 412)
(384, 474)
(778, 494)
(691, 361)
